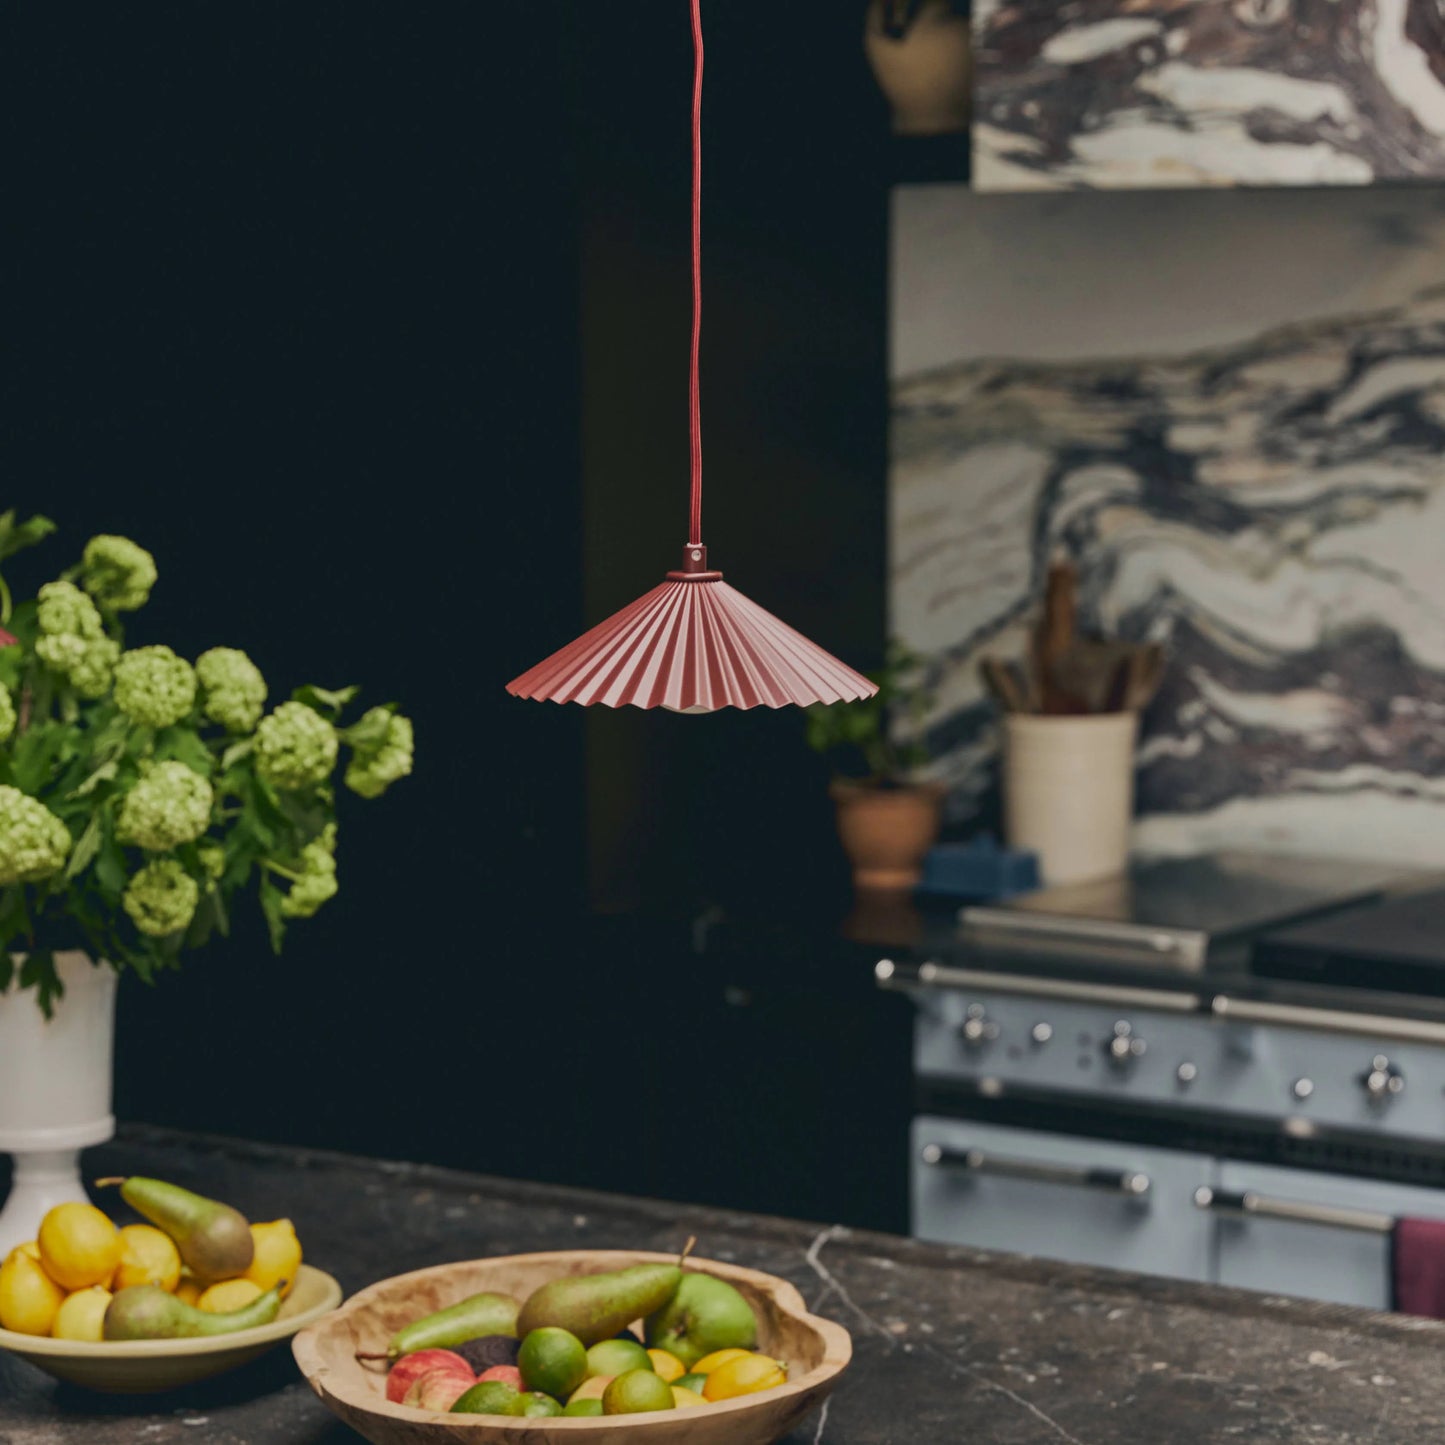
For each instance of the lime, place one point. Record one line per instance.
(585, 1409)
(553, 1361)
(491, 1397)
(693, 1382)
(537, 1404)
(636, 1393)
(616, 1357)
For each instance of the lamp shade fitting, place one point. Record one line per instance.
(692, 644)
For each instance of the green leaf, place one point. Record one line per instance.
(236, 752)
(38, 972)
(86, 847)
(184, 745)
(324, 700)
(103, 774)
(271, 906)
(16, 536)
(110, 870)
(370, 732)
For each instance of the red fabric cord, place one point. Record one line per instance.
(694, 535)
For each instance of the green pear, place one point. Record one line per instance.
(595, 1307)
(705, 1314)
(476, 1317)
(147, 1312)
(213, 1239)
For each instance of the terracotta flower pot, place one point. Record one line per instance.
(927, 72)
(886, 831)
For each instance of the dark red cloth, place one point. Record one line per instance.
(1419, 1267)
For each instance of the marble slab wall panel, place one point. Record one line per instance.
(1166, 93)
(1260, 487)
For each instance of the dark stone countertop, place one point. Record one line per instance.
(951, 1345)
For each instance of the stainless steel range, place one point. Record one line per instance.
(1192, 1072)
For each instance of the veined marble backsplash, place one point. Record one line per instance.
(1244, 454)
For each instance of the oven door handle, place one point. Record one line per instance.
(1129, 1182)
(1247, 1204)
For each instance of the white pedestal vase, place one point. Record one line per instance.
(55, 1090)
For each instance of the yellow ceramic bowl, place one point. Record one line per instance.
(817, 1352)
(137, 1367)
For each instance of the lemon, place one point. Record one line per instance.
(590, 1389)
(744, 1377)
(709, 1363)
(686, 1399)
(29, 1298)
(277, 1256)
(79, 1246)
(82, 1315)
(147, 1256)
(666, 1364)
(230, 1294)
(189, 1290)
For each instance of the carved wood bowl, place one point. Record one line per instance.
(815, 1350)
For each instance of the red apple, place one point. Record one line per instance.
(437, 1390)
(508, 1373)
(411, 1368)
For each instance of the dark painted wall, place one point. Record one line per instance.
(302, 307)
(732, 808)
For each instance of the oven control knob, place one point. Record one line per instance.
(978, 1029)
(1302, 1088)
(1186, 1074)
(1041, 1033)
(1382, 1080)
(1122, 1050)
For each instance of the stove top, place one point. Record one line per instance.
(1188, 914)
(1395, 945)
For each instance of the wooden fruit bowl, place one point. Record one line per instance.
(816, 1352)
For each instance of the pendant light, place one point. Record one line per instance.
(693, 644)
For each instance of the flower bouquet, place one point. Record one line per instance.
(141, 793)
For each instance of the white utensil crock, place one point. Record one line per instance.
(1069, 792)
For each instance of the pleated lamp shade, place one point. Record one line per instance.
(692, 644)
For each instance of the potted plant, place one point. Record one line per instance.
(922, 53)
(141, 796)
(887, 818)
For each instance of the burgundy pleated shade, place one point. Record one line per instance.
(692, 644)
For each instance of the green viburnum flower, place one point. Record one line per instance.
(117, 572)
(295, 747)
(213, 862)
(154, 687)
(34, 843)
(170, 805)
(233, 692)
(86, 663)
(161, 899)
(7, 714)
(374, 769)
(72, 639)
(317, 882)
(63, 609)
